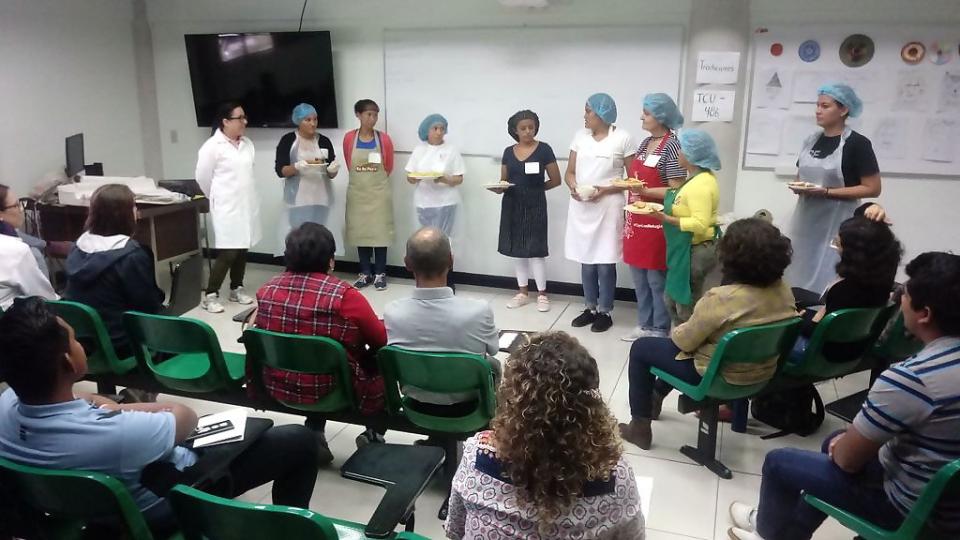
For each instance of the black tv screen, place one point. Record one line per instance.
(267, 73)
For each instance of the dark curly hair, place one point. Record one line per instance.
(552, 430)
(514, 121)
(753, 252)
(869, 252)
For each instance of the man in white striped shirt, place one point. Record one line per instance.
(908, 429)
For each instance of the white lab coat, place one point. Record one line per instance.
(225, 174)
(19, 273)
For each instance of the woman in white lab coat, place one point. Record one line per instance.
(225, 174)
(598, 155)
(20, 275)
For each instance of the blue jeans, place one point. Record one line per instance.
(380, 260)
(659, 352)
(787, 472)
(314, 213)
(599, 286)
(651, 311)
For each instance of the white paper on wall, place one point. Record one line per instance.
(763, 133)
(941, 135)
(949, 93)
(888, 137)
(805, 84)
(864, 83)
(718, 67)
(713, 105)
(772, 88)
(912, 92)
(796, 129)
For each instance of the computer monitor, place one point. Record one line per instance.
(74, 144)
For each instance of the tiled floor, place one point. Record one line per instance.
(686, 502)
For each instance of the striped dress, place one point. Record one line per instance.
(914, 410)
(523, 211)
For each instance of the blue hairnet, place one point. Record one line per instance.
(699, 149)
(603, 106)
(430, 121)
(302, 111)
(844, 96)
(662, 107)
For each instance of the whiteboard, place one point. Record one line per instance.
(477, 78)
(911, 113)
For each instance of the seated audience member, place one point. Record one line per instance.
(869, 257)
(434, 319)
(551, 465)
(908, 429)
(44, 424)
(110, 271)
(753, 255)
(11, 220)
(307, 299)
(19, 273)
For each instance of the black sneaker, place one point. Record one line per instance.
(585, 318)
(601, 323)
(363, 281)
(380, 282)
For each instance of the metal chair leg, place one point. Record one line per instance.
(706, 451)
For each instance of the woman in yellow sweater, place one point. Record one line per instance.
(690, 223)
(753, 256)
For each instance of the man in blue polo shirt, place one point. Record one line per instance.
(908, 429)
(44, 424)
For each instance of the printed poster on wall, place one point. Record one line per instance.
(713, 105)
(718, 67)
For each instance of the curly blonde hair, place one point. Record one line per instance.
(552, 431)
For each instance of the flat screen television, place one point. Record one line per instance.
(267, 73)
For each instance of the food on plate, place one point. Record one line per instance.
(586, 192)
(643, 207)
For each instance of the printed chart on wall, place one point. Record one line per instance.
(908, 79)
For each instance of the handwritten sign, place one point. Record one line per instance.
(718, 67)
(713, 105)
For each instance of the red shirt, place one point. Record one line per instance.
(319, 304)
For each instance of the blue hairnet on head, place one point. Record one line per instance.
(844, 95)
(699, 149)
(430, 121)
(662, 107)
(302, 111)
(603, 106)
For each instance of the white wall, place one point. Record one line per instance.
(67, 67)
(924, 210)
(357, 34)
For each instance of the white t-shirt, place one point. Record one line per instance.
(599, 162)
(428, 158)
(19, 273)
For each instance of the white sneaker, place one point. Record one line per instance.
(736, 533)
(637, 333)
(543, 303)
(211, 303)
(519, 300)
(743, 516)
(237, 295)
(656, 332)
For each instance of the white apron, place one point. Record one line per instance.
(311, 188)
(817, 220)
(594, 227)
(225, 173)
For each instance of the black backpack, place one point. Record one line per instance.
(790, 411)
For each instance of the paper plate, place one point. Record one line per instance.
(801, 185)
(857, 50)
(809, 51)
(499, 185)
(941, 52)
(649, 208)
(627, 183)
(913, 52)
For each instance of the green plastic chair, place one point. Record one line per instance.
(205, 516)
(896, 344)
(841, 326)
(302, 354)
(748, 345)
(944, 485)
(61, 503)
(198, 365)
(89, 328)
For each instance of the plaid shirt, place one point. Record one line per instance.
(317, 304)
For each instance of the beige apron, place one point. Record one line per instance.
(369, 216)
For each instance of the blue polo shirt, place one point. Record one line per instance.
(77, 436)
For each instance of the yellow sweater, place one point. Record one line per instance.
(696, 206)
(727, 308)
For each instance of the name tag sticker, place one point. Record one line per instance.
(374, 157)
(323, 154)
(531, 167)
(651, 160)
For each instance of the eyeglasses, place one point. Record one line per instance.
(242, 118)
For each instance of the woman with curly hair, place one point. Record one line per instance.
(552, 465)
(753, 255)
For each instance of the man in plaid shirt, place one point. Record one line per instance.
(307, 300)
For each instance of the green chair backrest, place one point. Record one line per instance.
(439, 373)
(205, 516)
(748, 345)
(67, 500)
(179, 336)
(302, 354)
(841, 326)
(89, 328)
(895, 343)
